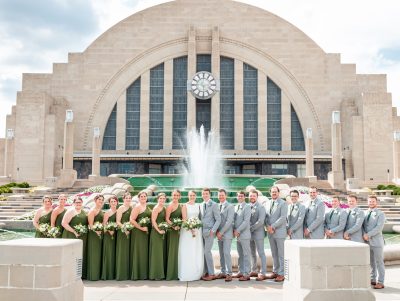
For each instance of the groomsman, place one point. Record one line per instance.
(335, 220)
(211, 219)
(355, 218)
(241, 231)
(295, 219)
(373, 225)
(315, 215)
(225, 235)
(276, 229)
(257, 237)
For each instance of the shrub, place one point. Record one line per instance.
(23, 185)
(381, 187)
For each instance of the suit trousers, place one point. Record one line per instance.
(278, 255)
(243, 248)
(225, 259)
(377, 264)
(208, 259)
(258, 245)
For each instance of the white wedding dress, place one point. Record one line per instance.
(191, 253)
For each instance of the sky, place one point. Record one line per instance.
(36, 34)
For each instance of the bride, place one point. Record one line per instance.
(190, 253)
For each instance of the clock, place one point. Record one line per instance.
(203, 85)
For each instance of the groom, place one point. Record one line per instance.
(211, 219)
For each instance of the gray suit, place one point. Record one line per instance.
(295, 220)
(227, 212)
(355, 220)
(211, 219)
(257, 237)
(373, 225)
(276, 218)
(335, 220)
(242, 225)
(314, 220)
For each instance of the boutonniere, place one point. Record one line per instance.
(253, 210)
(353, 213)
(373, 214)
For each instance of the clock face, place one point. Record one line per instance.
(203, 85)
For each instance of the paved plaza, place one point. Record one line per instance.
(210, 291)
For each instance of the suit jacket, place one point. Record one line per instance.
(295, 220)
(242, 220)
(227, 218)
(257, 221)
(373, 226)
(355, 219)
(276, 217)
(314, 220)
(335, 220)
(210, 217)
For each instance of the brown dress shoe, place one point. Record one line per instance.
(244, 278)
(238, 275)
(271, 276)
(253, 274)
(373, 282)
(280, 278)
(379, 286)
(220, 276)
(261, 277)
(228, 278)
(208, 278)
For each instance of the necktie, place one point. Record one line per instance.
(204, 208)
(272, 207)
(330, 215)
(291, 209)
(369, 215)
(220, 207)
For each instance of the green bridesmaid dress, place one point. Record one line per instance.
(172, 247)
(157, 251)
(122, 251)
(80, 218)
(59, 221)
(45, 219)
(95, 248)
(140, 251)
(109, 244)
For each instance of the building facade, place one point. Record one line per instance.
(135, 82)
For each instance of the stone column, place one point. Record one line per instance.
(286, 123)
(396, 157)
(191, 101)
(335, 177)
(8, 154)
(96, 152)
(215, 70)
(309, 154)
(144, 110)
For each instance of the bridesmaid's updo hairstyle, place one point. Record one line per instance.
(127, 194)
(113, 197)
(177, 191)
(98, 196)
(142, 192)
(192, 191)
(47, 197)
(78, 198)
(160, 195)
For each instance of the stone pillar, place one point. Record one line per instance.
(328, 270)
(335, 177)
(238, 105)
(144, 110)
(191, 101)
(215, 70)
(309, 154)
(96, 152)
(9, 154)
(396, 157)
(286, 123)
(41, 269)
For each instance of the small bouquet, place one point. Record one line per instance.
(192, 224)
(111, 227)
(44, 229)
(127, 228)
(54, 232)
(163, 227)
(145, 222)
(80, 229)
(98, 228)
(176, 222)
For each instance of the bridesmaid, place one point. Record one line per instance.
(42, 216)
(108, 266)
(95, 240)
(73, 217)
(140, 239)
(58, 213)
(122, 252)
(174, 210)
(157, 249)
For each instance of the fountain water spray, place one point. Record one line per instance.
(204, 163)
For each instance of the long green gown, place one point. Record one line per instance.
(59, 221)
(45, 219)
(157, 251)
(108, 266)
(95, 248)
(80, 218)
(140, 252)
(172, 247)
(122, 251)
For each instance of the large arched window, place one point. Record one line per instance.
(227, 103)
(250, 107)
(156, 125)
(274, 116)
(132, 136)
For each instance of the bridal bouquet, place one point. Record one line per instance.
(176, 222)
(111, 227)
(145, 222)
(81, 229)
(54, 232)
(44, 229)
(192, 224)
(98, 228)
(163, 227)
(127, 228)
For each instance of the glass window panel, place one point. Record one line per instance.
(227, 103)
(274, 116)
(297, 138)
(250, 107)
(132, 116)
(110, 133)
(179, 118)
(156, 122)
